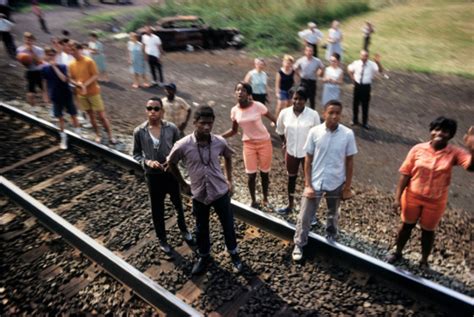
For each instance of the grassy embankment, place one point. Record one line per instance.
(433, 36)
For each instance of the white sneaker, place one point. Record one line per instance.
(81, 119)
(78, 131)
(87, 125)
(153, 83)
(63, 143)
(297, 254)
(314, 221)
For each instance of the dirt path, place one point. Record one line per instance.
(401, 107)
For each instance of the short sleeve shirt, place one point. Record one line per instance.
(308, 68)
(250, 120)
(203, 164)
(296, 128)
(258, 81)
(430, 171)
(151, 43)
(363, 74)
(81, 70)
(329, 150)
(176, 111)
(58, 90)
(38, 51)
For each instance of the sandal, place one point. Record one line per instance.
(98, 139)
(113, 141)
(135, 86)
(146, 85)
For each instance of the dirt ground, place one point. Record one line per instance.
(400, 111)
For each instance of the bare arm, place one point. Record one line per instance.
(59, 73)
(247, 78)
(173, 168)
(402, 184)
(270, 117)
(346, 191)
(45, 91)
(232, 131)
(308, 187)
(277, 84)
(469, 143)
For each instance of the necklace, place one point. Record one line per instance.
(201, 156)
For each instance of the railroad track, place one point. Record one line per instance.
(94, 198)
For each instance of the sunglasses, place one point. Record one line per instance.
(153, 108)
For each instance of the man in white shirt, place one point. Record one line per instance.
(311, 37)
(308, 69)
(362, 72)
(153, 51)
(330, 149)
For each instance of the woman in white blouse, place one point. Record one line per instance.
(332, 79)
(334, 40)
(293, 126)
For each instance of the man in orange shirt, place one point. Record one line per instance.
(422, 191)
(84, 74)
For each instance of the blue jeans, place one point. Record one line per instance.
(226, 218)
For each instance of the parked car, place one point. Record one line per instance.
(181, 32)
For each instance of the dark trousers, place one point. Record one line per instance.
(154, 62)
(9, 43)
(310, 87)
(260, 98)
(158, 186)
(366, 43)
(361, 96)
(43, 25)
(226, 218)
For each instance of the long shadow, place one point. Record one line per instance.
(112, 85)
(376, 134)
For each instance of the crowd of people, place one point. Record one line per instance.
(68, 74)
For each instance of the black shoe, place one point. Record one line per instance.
(237, 262)
(165, 247)
(366, 126)
(201, 265)
(394, 257)
(331, 237)
(188, 238)
(354, 123)
(255, 205)
(284, 211)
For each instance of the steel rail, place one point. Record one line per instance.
(142, 285)
(449, 299)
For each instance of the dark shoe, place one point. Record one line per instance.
(366, 126)
(201, 265)
(188, 238)
(165, 247)
(394, 257)
(331, 237)
(237, 262)
(284, 211)
(354, 123)
(255, 205)
(424, 265)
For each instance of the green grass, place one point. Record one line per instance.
(432, 36)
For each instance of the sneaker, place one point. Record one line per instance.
(161, 84)
(78, 131)
(394, 257)
(81, 119)
(63, 143)
(153, 83)
(87, 125)
(235, 258)
(165, 247)
(331, 237)
(284, 211)
(297, 254)
(424, 265)
(255, 205)
(314, 222)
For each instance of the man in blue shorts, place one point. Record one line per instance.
(56, 84)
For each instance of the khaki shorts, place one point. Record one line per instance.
(93, 103)
(257, 156)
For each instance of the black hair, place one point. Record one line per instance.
(204, 111)
(337, 56)
(65, 33)
(75, 44)
(300, 90)
(246, 86)
(333, 102)
(445, 124)
(157, 99)
(49, 49)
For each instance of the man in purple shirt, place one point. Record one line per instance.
(201, 151)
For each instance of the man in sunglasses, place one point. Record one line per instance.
(152, 142)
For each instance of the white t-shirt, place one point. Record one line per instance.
(310, 36)
(332, 73)
(151, 42)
